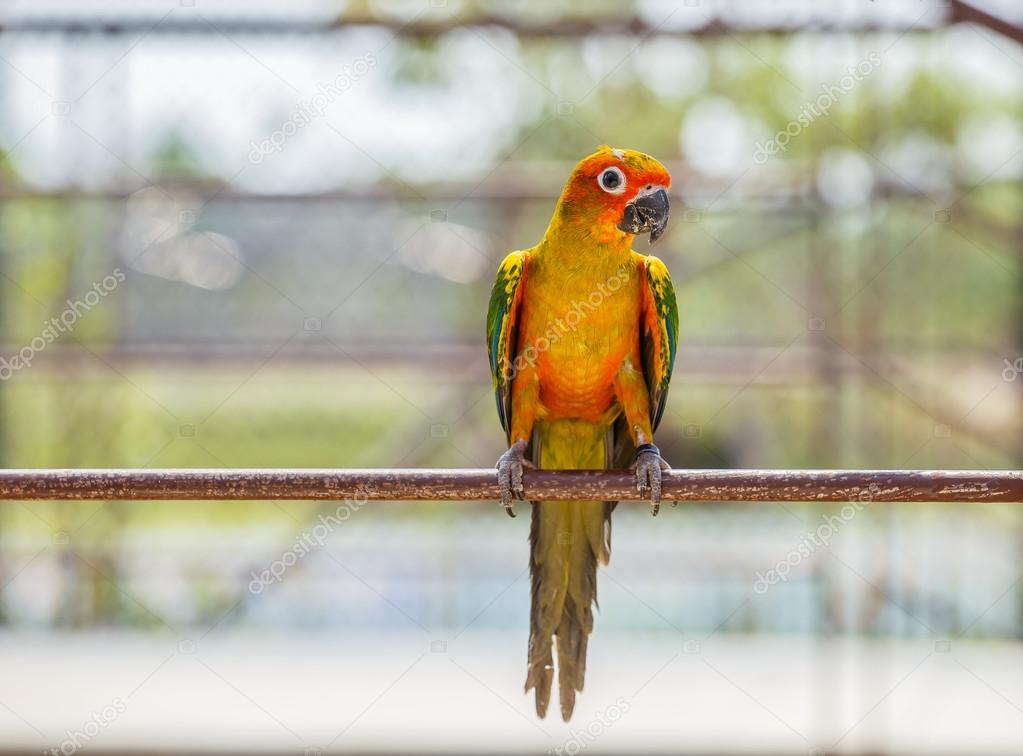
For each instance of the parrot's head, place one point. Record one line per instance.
(614, 191)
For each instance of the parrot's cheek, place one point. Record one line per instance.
(648, 212)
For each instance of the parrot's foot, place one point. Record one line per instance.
(648, 466)
(509, 475)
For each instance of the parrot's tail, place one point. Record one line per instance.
(567, 540)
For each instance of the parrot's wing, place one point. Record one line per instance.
(503, 330)
(658, 338)
(658, 334)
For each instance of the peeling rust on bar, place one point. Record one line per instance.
(481, 485)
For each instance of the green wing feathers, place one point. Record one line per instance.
(502, 330)
(658, 335)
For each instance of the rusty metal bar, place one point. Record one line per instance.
(967, 13)
(481, 485)
(958, 12)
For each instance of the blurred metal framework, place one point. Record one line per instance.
(957, 12)
(509, 188)
(860, 486)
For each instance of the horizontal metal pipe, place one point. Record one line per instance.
(481, 485)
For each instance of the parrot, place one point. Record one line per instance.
(581, 336)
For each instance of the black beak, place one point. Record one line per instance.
(646, 213)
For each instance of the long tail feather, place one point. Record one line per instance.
(567, 541)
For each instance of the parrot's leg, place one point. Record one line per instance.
(525, 399)
(509, 475)
(631, 391)
(648, 466)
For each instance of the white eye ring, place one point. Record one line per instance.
(612, 180)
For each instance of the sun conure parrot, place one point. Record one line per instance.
(582, 332)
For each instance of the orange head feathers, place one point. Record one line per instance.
(614, 194)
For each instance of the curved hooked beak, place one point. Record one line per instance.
(647, 212)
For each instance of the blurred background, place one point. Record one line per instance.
(263, 234)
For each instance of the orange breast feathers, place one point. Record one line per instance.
(577, 331)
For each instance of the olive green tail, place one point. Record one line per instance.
(567, 540)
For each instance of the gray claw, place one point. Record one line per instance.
(649, 466)
(509, 475)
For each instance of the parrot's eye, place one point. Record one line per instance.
(612, 180)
